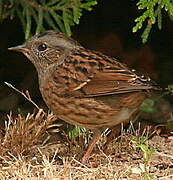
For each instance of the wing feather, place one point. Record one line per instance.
(113, 83)
(107, 76)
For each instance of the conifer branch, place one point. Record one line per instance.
(60, 15)
(152, 14)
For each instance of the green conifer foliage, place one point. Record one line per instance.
(152, 14)
(59, 15)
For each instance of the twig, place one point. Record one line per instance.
(27, 96)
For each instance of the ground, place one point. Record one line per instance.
(131, 156)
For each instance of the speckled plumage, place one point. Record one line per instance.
(85, 87)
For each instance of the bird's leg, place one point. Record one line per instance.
(97, 134)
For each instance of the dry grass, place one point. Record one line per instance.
(21, 133)
(123, 165)
(25, 155)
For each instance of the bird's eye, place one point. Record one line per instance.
(42, 47)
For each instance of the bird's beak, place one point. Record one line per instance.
(21, 48)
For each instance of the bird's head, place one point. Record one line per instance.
(47, 48)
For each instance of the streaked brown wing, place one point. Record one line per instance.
(103, 75)
(113, 83)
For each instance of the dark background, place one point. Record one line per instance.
(107, 28)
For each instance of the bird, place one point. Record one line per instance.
(85, 87)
